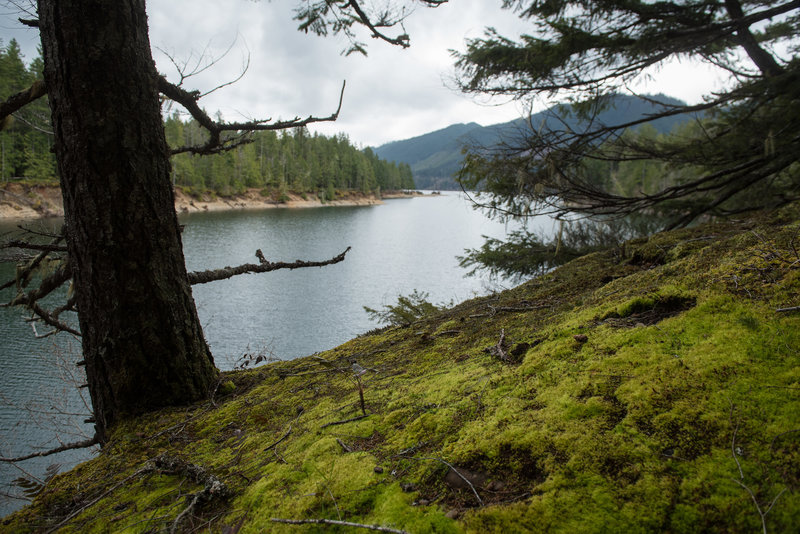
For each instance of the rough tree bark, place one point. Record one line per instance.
(142, 340)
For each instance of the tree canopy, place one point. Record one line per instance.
(738, 151)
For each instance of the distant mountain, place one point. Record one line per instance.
(436, 156)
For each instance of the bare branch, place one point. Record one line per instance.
(216, 143)
(45, 316)
(203, 277)
(401, 40)
(336, 522)
(23, 98)
(66, 447)
(286, 435)
(33, 23)
(34, 246)
(344, 421)
(34, 263)
(48, 285)
(30, 124)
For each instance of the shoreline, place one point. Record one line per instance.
(24, 202)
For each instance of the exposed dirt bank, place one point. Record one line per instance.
(25, 201)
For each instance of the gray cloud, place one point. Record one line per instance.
(391, 94)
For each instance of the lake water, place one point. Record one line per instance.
(403, 245)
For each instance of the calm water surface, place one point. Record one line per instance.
(403, 245)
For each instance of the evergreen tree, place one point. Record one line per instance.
(588, 51)
(738, 150)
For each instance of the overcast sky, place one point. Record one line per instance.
(391, 94)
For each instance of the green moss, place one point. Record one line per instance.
(628, 430)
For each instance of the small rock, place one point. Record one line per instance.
(456, 480)
(452, 514)
(581, 338)
(495, 485)
(378, 469)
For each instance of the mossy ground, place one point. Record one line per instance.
(650, 388)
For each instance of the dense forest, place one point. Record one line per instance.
(293, 160)
(25, 137)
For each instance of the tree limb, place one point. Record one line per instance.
(52, 247)
(203, 277)
(45, 316)
(23, 98)
(48, 285)
(66, 447)
(216, 143)
(33, 264)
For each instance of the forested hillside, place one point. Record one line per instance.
(293, 160)
(24, 137)
(437, 156)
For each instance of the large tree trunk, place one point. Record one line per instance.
(142, 340)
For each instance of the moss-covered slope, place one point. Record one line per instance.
(650, 388)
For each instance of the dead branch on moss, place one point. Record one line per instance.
(334, 423)
(733, 443)
(498, 350)
(343, 445)
(379, 528)
(80, 510)
(790, 309)
(762, 514)
(213, 488)
(264, 266)
(494, 310)
(286, 435)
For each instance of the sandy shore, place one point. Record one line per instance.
(19, 201)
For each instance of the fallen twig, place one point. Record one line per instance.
(478, 497)
(790, 309)
(335, 522)
(286, 435)
(498, 350)
(142, 471)
(334, 423)
(762, 515)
